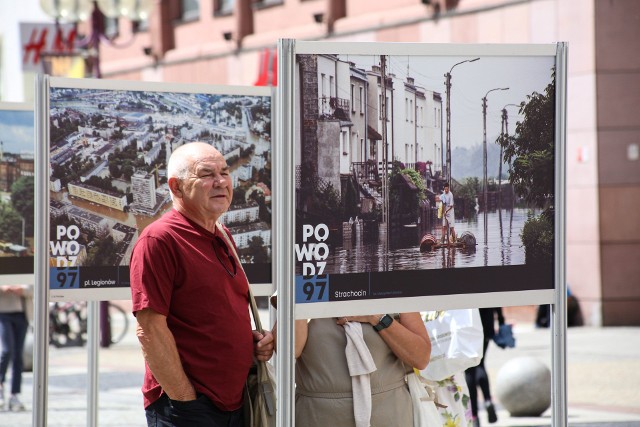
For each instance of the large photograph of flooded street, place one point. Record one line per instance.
(109, 151)
(16, 190)
(435, 169)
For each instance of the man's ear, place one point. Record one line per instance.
(174, 186)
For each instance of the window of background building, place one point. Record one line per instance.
(353, 98)
(223, 7)
(266, 3)
(111, 28)
(361, 100)
(411, 110)
(323, 87)
(386, 109)
(189, 10)
(406, 109)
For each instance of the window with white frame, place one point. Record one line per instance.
(411, 111)
(323, 85)
(353, 99)
(406, 109)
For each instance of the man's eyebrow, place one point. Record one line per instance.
(208, 170)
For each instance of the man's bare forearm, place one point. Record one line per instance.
(161, 353)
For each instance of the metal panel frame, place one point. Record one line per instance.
(284, 268)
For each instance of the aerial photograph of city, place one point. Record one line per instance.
(16, 190)
(108, 155)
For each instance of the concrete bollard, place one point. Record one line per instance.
(523, 386)
(358, 230)
(346, 231)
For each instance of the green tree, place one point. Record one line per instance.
(326, 199)
(114, 169)
(537, 238)
(10, 224)
(466, 193)
(531, 148)
(22, 199)
(403, 198)
(103, 253)
(127, 171)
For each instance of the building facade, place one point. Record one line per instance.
(228, 42)
(603, 170)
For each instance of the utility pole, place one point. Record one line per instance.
(447, 83)
(502, 136)
(484, 161)
(385, 147)
(505, 137)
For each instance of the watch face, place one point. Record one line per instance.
(385, 322)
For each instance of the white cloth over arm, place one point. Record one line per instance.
(360, 365)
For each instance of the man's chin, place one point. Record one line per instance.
(220, 206)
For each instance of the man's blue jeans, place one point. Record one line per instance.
(165, 412)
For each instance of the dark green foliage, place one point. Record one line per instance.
(465, 194)
(328, 199)
(537, 238)
(10, 224)
(22, 199)
(531, 152)
(531, 149)
(102, 183)
(350, 199)
(104, 252)
(405, 200)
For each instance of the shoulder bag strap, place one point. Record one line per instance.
(252, 300)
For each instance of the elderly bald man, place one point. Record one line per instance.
(190, 298)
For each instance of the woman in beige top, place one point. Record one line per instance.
(324, 393)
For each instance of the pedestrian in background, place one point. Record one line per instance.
(191, 301)
(14, 322)
(448, 216)
(477, 376)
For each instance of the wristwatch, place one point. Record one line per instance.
(384, 322)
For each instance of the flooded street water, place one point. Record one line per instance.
(503, 247)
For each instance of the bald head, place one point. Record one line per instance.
(200, 183)
(183, 158)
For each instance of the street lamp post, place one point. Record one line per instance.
(504, 134)
(484, 159)
(79, 10)
(447, 83)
